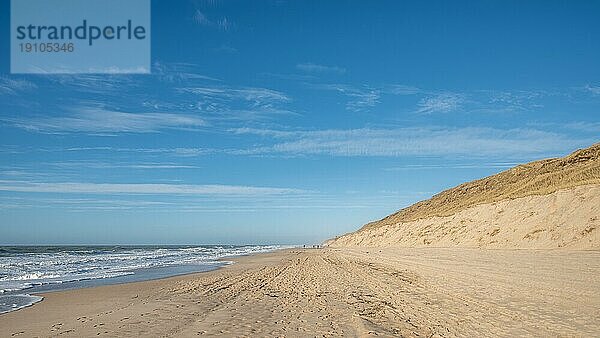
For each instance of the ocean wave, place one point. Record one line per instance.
(21, 269)
(10, 303)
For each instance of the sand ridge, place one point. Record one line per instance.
(552, 203)
(542, 177)
(568, 218)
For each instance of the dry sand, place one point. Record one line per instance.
(552, 203)
(332, 292)
(543, 177)
(568, 218)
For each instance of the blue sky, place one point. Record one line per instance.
(291, 122)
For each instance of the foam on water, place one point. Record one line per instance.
(48, 268)
(15, 302)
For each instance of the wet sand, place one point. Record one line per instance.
(333, 292)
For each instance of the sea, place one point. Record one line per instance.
(26, 271)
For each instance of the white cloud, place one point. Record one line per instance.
(98, 84)
(495, 101)
(202, 19)
(426, 141)
(589, 127)
(475, 165)
(441, 103)
(102, 84)
(68, 70)
(140, 188)
(257, 95)
(11, 86)
(593, 89)
(117, 70)
(225, 48)
(397, 89)
(179, 72)
(363, 100)
(179, 152)
(98, 120)
(316, 68)
(360, 98)
(200, 204)
(224, 24)
(108, 165)
(229, 102)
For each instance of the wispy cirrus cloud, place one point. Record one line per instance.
(363, 98)
(398, 89)
(168, 73)
(187, 203)
(441, 103)
(177, 151)
(578, 126)
(224, 104)
(173, 88)
(179, 72)
(256, 96)
(218, 102)
(595, 90)
(445, 166)
(590, 127)
(427, 141)
(140, 188)
(97, 84)
(430, 101)
(225, 48)
(99, 120)
(12, 86)
(120, 165)
(310, 67)
(423, 141)
(222, 23)
(360, 98)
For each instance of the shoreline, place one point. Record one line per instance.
(222, 262)
(340, 291)
(219, 263)
(66, 299)
(36, 273)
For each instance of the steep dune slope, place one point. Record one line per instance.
(553, 203)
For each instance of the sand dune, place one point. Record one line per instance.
(567, 218)
(552, 203)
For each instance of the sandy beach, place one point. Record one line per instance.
(299, 169)
(332, 292)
